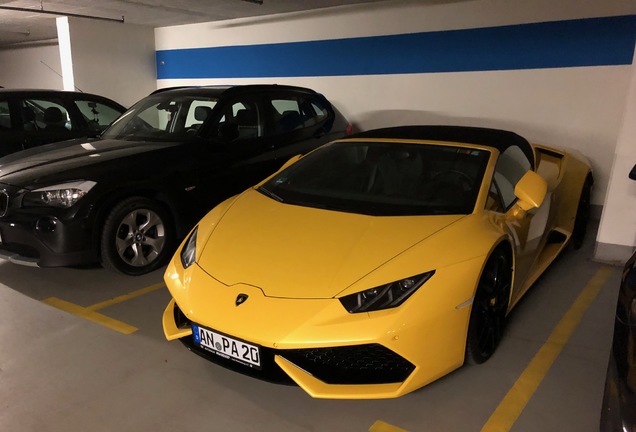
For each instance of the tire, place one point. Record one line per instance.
(582, 214)
(490, 305)
(137, 237)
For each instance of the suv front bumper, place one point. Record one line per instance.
(45, 241)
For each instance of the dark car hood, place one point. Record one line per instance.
(57, 160)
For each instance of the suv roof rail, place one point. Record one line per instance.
(239, 87)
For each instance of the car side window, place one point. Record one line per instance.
(198, 113)
(494, 201)
(48, 115)
(98, 116)
(240, 121)
(293, 113)
(511, 166)
(314, 111)
(5, 115)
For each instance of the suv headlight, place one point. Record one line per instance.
(386, 296)
(61, 195)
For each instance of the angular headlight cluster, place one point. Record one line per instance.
(61, 195)
(386, 296)
(189, 251)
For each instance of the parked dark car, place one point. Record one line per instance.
(124, 199)
(619, 401)
(30, 118)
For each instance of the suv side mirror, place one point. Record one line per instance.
(632, 173)
(530, 191)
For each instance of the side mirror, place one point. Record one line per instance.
(530, 191)
(632, 173)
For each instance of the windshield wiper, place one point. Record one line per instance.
(269, 194)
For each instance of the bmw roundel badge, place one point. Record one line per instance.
(240, 299)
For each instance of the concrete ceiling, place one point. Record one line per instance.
(17, 26)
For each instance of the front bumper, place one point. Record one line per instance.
(45, 240)
(353, 365)
(316, 344)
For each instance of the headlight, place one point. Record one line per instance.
(386, 296)
(189, 251)
(61, 195)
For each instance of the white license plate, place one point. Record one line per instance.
(227, 347)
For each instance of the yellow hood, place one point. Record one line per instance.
(300, 252)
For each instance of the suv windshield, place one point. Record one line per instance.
(163, 117)
(383, 179)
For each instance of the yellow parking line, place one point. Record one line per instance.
(125, 297)
(380, 426)
(519, 395)
(90, 315)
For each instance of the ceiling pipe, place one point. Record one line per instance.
(46, 12)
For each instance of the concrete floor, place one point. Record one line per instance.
(62, 372)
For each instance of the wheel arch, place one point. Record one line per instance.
(105, 205)
(473, 354)
(504, 244)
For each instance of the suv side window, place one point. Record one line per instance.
(296, 112)
(511, 166)
(241, 120)
(49, 115)
(198, 113)
(98, 116)
(5, 115)
(314, 111)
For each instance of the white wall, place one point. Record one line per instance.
(31, 66)
(574, 107)
(617, 232)
(110, 59)
(113, 59)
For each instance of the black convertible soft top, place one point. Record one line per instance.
(497, 138)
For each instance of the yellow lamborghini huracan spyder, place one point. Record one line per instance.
(377, 263)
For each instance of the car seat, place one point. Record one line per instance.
(54, 119)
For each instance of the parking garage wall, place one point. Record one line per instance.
(555, 72)
(112, 59)
(617, 231)
(31, 65)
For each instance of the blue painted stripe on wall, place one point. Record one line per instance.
(560, 44)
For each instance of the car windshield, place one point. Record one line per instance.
(383, 179)
(162, 117)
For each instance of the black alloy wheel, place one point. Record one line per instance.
(582, 214)
(488, 314)
(137, 237)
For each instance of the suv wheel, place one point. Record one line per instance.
(137, 237)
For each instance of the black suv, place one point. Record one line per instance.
(29, 118)
(124, 199)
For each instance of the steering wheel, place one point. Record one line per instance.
(455, 177)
